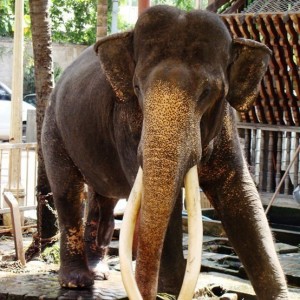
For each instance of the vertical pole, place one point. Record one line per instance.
(17, 75)
(114, 17)
(14, 184)
(143, 5)
(198, 4)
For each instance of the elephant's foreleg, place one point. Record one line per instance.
(67, 186)
(98, 232)
(241, 212)
(172, 265)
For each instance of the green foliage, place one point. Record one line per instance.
(57, 71)
(7, 11)
(28, 82)
(51, 254)
(123, 25)
(74, 21)
(183, 4)
(7, 17)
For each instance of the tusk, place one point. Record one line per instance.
(126, 238)
(195, 234)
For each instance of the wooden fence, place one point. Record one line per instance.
(28, 174)
(269, 150)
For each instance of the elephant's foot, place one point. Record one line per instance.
(100, 269)
(72, 277)
(96, 257)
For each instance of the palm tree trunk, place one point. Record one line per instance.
(101, 19)
(42, 50)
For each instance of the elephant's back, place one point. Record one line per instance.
(80, 78)
(83, 99)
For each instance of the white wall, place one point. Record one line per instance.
(63, 55)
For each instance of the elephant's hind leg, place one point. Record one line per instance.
(98, 232)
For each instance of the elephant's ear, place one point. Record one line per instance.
(116, 58)
(249, 65)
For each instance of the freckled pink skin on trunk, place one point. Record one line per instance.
(170, 138)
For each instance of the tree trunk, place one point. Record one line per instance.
(42, 50)
(101, 19)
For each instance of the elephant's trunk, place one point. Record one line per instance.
(170, 146)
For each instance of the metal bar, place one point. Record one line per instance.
(27, 175)
(261, 163)
(268, 127)
(257, 157)
(282, 179)
(16, 223)
(278, 158)
(296, 164)
(270, 147)
(287, 161)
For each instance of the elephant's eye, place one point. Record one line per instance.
(137, 90)
(204, 94)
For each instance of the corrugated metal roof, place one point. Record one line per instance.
(263, 6)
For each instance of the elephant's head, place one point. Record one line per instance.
(181, 68)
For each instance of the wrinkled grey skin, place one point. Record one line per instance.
(142, 105)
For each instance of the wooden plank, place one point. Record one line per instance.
(16, 223)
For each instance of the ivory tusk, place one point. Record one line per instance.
(195, 234)
(126, 238)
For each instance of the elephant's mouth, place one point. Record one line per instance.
(194, 241)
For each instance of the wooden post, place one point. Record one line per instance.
(14, 184)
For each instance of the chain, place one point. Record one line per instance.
(44, 200)
(38, 243)
(39, 234)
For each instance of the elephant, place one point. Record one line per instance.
(159, 100)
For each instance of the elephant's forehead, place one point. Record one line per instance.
(174, 32)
